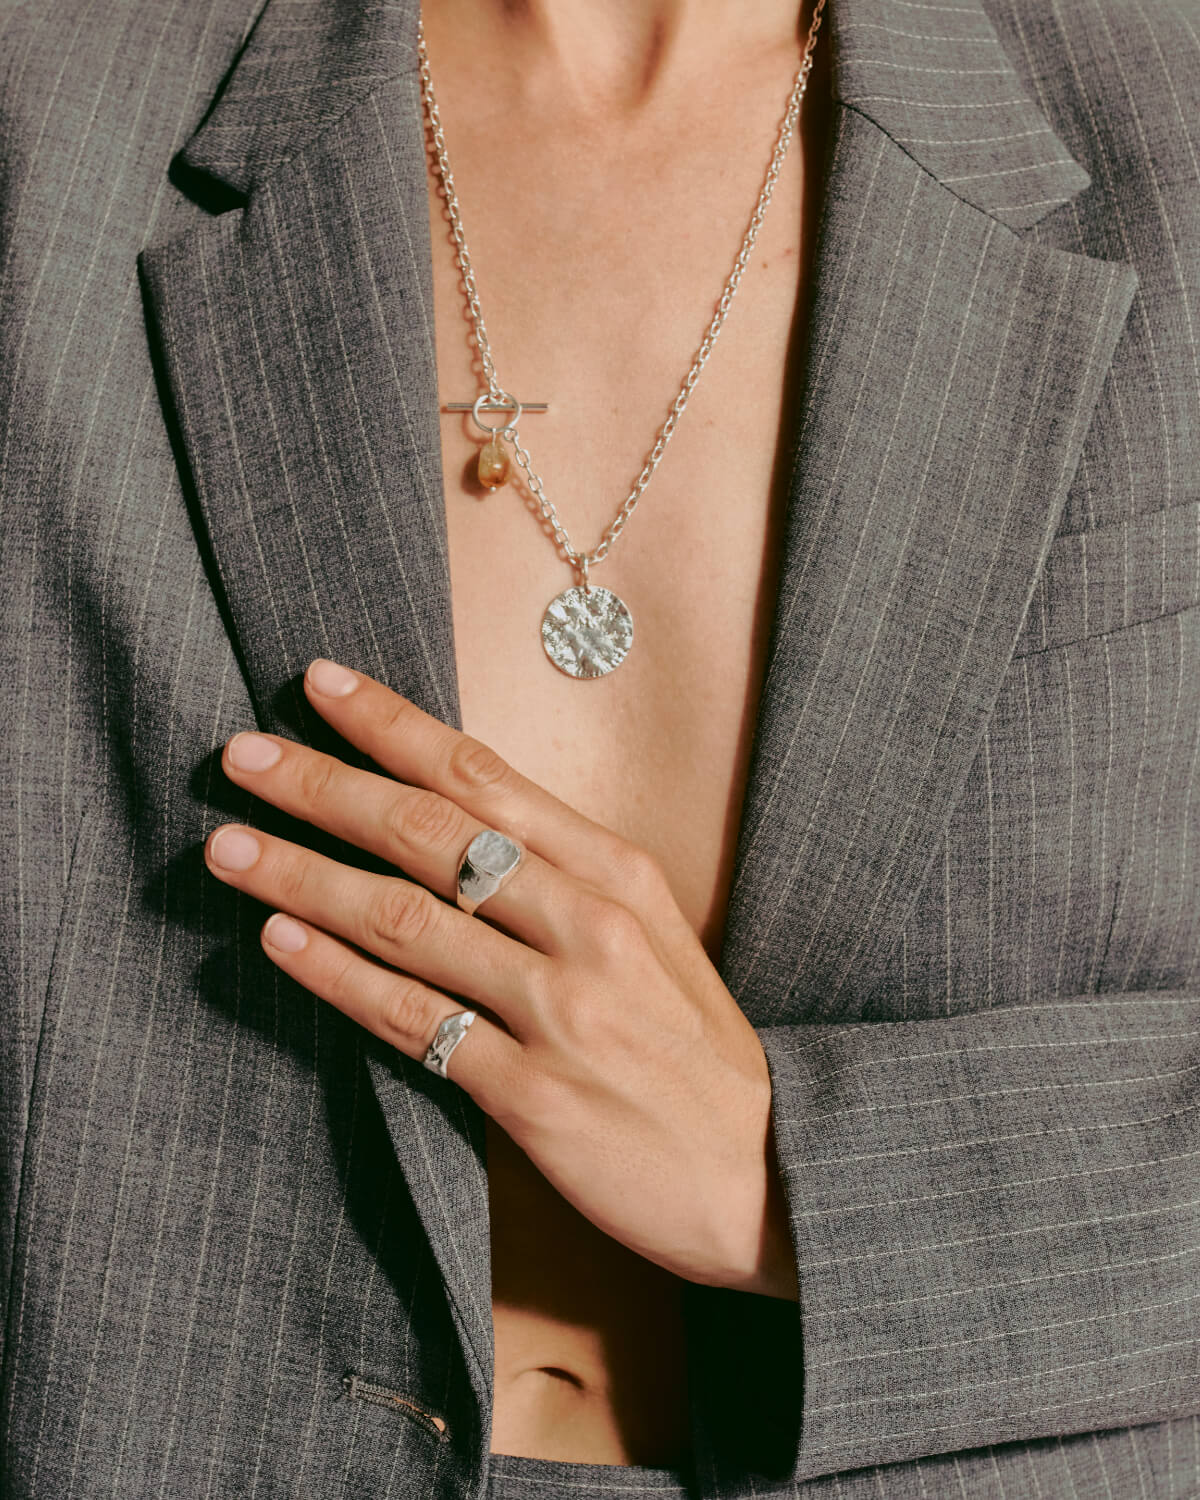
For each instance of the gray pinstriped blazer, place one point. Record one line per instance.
(965, 916)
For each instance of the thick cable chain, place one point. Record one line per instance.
(581, 561)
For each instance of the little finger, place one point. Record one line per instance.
(398, 1008)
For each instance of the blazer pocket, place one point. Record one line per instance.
(1096, 582)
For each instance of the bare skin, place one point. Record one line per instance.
(607, 157)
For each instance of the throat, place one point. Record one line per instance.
(611, 62)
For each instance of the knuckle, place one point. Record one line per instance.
(402, 915)
(342, 972)
(540, 985)
(642, 877)
(542, 999)
(289, 879)
(393, 714)
(616, 931)
(426, 821)
(407, 1013)
(315, 776)
(474, 767)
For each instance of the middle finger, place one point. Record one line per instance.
(396, 920)
(418, 831)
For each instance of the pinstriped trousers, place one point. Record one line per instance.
(512, 1478)
(1160, 1461)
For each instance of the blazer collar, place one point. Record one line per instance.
(934, 78)
(302, 66)
(937, 80)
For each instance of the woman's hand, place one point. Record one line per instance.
(606, 1045)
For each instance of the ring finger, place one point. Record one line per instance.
(418, 831)
(397, 920)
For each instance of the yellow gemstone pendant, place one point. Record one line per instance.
(493, 464)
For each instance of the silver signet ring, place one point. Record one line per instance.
(491, 858)
(449, 1034)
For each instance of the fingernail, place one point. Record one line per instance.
(233, 849)
(282, 933)
(253, 752)
(332, 681)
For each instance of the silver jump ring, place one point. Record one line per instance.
(504, 429)
(448, 1035)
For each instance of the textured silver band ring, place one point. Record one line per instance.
(448, 1035)
(490, 859)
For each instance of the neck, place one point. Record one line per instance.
(607, 57)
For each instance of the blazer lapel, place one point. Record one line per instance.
(953, 369)
(294, 337)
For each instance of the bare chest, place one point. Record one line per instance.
(597, 276)
(603, 326)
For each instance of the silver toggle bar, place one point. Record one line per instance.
(495, 406)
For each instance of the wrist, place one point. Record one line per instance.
(777, 1261)
(762, 1260)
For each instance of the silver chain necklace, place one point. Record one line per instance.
(587, 631)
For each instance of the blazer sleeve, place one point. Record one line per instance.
(996, 1223)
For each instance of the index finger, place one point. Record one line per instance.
(416, 748)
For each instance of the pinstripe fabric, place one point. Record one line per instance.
(213, 1227)
(964, 918)
(938, 81)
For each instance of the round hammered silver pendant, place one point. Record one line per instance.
(587, 634)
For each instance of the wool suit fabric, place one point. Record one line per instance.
(236, 1228)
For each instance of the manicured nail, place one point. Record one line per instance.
(332, 681)
(282, 933)
(233, 849)
(253, 752)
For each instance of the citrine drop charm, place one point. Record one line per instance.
(493, 464)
